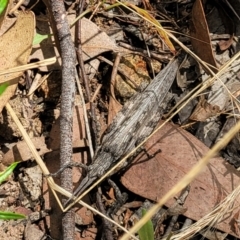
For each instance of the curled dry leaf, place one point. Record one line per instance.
(15, 48)
(204, 111)
(200, 35)
(180, 151)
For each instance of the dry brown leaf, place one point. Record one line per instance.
(227, 14)
(180, 151)
(83, 216)
(199, 32)
(94, 42)
(204, 110)
(89, 234)
(225, 44)
(236, 223)
(111, 194)
(20, 152)
(15, 48)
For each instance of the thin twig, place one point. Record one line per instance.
(84, 76)
(68, 55)
(85, 117)
(162, 57)
(95, 93)
(80, 53)
(114, 73)
(107, 226)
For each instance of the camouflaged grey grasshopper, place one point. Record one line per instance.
(135, 122)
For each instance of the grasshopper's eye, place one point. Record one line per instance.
(100, 172)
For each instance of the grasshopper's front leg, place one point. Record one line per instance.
(96, 170)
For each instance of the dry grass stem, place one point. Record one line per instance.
(38, 84)
(31, 147)
(212, 218)
(15, 8)
(22, 68)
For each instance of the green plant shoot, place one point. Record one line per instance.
(3, 88)
(38, 38)
(3, 177)
(3, 5)
(10, 215)
(146, 232)
(7, 172)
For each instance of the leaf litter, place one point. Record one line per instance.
(149, 178)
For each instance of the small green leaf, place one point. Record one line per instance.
(146, 232)
(10, 215)
(38, 38)
(3, 5)
(7, 172)
(3, 88)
